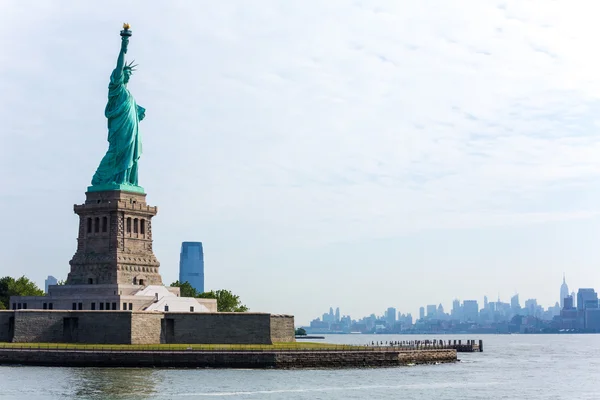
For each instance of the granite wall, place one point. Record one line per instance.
(48, 326)
(125, 327)
(282, 328)
(146, 328)
(41, 327)
(114, 327)
(217, 328)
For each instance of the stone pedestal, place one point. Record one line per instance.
(114, 245)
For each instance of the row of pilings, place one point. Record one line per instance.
(470, 345)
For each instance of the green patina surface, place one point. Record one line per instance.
(119, 166)
(116, 186)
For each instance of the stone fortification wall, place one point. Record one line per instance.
(225, 359)
(282, 328)
(5, 325)
(146, 328)
(125, 327)
(104, 327)
(72, 327)
(218, 328)
(41, 327)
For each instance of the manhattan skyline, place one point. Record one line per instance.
(516, 301)
(452, 151)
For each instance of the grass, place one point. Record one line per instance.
(181, 347)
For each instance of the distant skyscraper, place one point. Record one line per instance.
(587, 298)
(470, 310)
(514, 302)
(564, 292)
(391, 316)
(421, 312)
(191, 265)
(49, 281)
(574, 296)
(455, 304)
(485, 302)
(456, 309)
(568, 303)
(431, 309)
(531, 307)
(337, 314)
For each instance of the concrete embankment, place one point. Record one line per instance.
(225, 359)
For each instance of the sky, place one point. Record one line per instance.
(353, 154)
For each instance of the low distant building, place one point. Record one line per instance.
(568, 303)
(592, 319)
(50, 280)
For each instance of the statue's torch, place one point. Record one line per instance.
(126, 32)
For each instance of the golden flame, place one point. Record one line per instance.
(126, 26)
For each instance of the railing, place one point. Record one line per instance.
(468, 346)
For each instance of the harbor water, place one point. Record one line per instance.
(511, 367)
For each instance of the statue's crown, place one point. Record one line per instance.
(130, 66)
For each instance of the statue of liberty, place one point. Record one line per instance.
(118, 169)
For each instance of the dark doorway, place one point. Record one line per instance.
(169, 330)
(70, 328)
(11, 328)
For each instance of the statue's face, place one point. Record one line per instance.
(126, 75)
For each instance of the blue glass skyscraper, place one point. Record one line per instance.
(191, 265)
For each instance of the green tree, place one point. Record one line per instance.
(2, 306)
(226, 301)
(10, 286)
(186, 289)
(300, 332)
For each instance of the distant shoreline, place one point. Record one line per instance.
(309, 337)
(458, 333)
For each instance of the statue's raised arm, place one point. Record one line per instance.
(118, 72)
(121, 58)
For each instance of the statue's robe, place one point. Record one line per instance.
(119, 164)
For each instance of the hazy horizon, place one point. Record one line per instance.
(360, 154)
